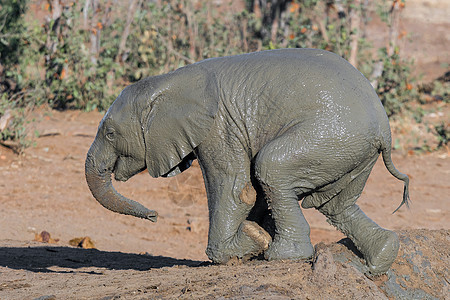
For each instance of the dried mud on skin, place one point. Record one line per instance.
(336, 272)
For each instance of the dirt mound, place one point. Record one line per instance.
(336, 272)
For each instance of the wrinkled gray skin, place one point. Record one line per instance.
(268, 129)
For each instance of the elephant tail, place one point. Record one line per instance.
(386, 153)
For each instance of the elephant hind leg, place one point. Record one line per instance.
(277, 175)
(291, 239)
(378, 245)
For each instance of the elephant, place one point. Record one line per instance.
(270, 130)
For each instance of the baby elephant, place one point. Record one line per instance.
(269, 129)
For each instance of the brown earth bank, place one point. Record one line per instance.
(44, 190)
(32, 271)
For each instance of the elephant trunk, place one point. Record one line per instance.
(99, 182)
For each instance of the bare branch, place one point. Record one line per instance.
(377, 72)
(132, 6)
(85, 13)
(355, 32)
(4, 22)
(394, 20)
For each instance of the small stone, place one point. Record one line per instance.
(82, 242)
(45, 237)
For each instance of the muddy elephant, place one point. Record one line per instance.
(283, 126)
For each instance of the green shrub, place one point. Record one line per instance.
(443, 134)
(395, 84)
(73, 79)
(14, 133)
(53, 63)
(11, 43)
(167, 36)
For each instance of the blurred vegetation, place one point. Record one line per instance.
(82, 53)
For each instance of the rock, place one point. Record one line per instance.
(82, 242)
(45, 237)
(421, 270)
(339, 271)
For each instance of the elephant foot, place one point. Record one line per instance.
(378, 246)
(282, 248)
(381, 252)
(250, 240)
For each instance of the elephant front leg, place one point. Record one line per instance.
(230, 234)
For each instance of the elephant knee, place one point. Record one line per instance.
(248, 194)
(271, 170)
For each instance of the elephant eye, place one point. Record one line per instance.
(110, 135)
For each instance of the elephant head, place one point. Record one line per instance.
(156, 124)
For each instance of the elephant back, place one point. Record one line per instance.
(275, 90)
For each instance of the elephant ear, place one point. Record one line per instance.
(182, 112)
